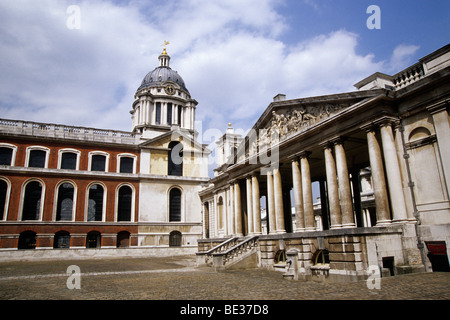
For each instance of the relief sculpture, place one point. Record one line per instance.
(292, 121)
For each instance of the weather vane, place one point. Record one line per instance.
(164, 46)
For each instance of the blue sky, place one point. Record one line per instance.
(234, 55)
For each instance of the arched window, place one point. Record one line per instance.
(6, 156)
(27, 240)
(175, 165)
(321, 257)
(31, 203)
(4, 195)
(123, 239)
(93, 239)
(95, 203)
(124, 203)
(61, 240)
(175, 239)
(37, 158)
(126, 163)
(65, 202)
(69, 160)
(175, 205)
(280, 256)
(98, 162)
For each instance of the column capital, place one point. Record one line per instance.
(304, 154)
(326, 145)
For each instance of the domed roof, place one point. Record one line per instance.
(160, 75)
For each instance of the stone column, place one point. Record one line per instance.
(231, 219)
(249, 206)
(256, 206)
(307, 193)
(441, 124)
(378, 178)
(278, 195)
(271, 204)
(393, 174)
(345, 196)
(238, 210)
(332, 188)
(298, 197)
(225, 212)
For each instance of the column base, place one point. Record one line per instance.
(310, 229)
(338, 226)
(398, 221)
(348, 225)
(383, 223)
(281, 231)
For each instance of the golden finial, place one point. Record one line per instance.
(164, 46)
(229, 124)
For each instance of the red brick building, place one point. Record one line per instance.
(63, 192)
(77, 187)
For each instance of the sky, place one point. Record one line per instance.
(80, 62)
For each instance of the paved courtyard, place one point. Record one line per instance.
(177, 278)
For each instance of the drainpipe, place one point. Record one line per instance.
(420, 244)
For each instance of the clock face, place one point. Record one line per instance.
(169, 90)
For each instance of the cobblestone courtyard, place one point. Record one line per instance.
(177, 278)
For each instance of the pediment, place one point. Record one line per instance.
(295, 119)
(286, 118)
(162, 142)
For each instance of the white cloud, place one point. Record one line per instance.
(401, 57)
(228, 52)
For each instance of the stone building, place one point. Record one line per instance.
(77, 187)
(380, 157)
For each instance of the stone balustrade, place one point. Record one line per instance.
(408, 76)
(19, 127)
(223, 259)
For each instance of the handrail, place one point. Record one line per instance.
(236, 250)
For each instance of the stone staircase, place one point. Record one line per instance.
(234, 252)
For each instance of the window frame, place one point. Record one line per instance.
(13, 154)
(182, 217)
(22, 199)
(74, 200)
(126, 155)
(98, 153)
(39, 148)
(133, 202)
(86, 205)
(7, 198)
(69, 150)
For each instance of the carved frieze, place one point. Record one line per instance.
(288, 122)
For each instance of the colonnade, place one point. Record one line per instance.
(146, 113)
(386, 179)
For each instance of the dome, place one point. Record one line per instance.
(160, 75)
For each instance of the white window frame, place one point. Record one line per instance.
(182, 206)
(7, 197)
(133, 202)
(22, 199)
(68, 150)
(126, 155)
(14, 152)
(86, 204)
(31, 148)
(100, 153)
(74, 204)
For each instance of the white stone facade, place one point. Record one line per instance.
(380, 156)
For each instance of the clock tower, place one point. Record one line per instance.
(162, 102)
